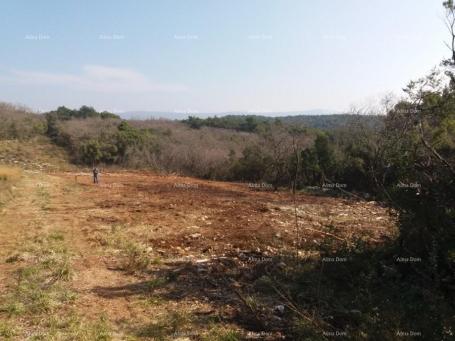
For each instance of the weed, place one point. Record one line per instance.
(7, 331)
(73, 327)
(175, 323)
(218, 333)
(252, 303)
(136, 257)
(116, 228)
(44, 196)
(57, 236)
(100, 330)
(156, 261)
(155, 283)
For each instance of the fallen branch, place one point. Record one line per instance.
(292, 306)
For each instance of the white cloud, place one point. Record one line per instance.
(96, 78)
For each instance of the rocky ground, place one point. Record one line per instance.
(143, 256)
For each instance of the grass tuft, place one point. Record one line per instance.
(221, 334)
(7, 331)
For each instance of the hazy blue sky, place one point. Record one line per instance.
(213, 55)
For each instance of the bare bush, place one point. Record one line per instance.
(18, 122)
(205, 152)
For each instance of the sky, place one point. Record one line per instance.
(201, 56)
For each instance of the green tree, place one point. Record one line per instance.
(194, 122)
(252, 165)
(325, 155)
(126, 137)
(91, 152)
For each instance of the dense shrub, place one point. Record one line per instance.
(419, 175)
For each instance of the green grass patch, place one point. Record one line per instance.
(42, 282)
(71, 326)
(7, 330)
(134, 256)
(221, 333)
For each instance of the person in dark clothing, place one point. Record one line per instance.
(95, 175)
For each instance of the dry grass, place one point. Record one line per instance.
(35, 154)
(20, 122)
(43, 293)
(10, 174)
(8, 177)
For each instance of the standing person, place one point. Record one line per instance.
(95, 175)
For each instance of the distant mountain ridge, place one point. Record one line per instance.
(318, 118)
(180, 115)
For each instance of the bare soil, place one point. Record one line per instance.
(207, 241)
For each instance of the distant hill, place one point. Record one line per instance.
(250, 123)
(145, 115)
(181, 115)
(330, 122)
(317, 118)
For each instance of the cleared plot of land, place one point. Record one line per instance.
(142, 256)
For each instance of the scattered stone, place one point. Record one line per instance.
(279, 309)
(281, 265)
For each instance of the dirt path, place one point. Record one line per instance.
(45, 203)
(144, 246)
(21, 218)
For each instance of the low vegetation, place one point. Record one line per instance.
(43, 295)
(20, 123)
